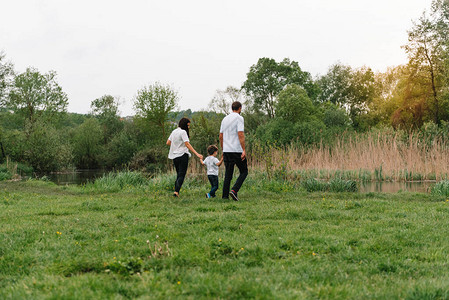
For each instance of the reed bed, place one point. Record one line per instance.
(376, 157)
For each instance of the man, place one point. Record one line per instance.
(232, 142)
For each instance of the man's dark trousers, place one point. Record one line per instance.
(230, 160)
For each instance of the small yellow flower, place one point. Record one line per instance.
(116, 241)
(313, 253)
(114, 257)
(179, 282)
(242, 249)
(219, 240)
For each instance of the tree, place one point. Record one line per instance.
(294, 105)
(351, 89)
(105, 109)
(266, 79)
(45, 149)
(87, 144)
(223, 99)
(6, 78)
(154, 102)
(35, 95)
(425, 57)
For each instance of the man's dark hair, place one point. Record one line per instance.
(184, 124)
(211, 149)
(236, 105)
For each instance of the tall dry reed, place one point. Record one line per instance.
(385, 156)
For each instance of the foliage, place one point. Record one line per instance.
(37, 95)
(150, 160)
(351, 89)
(121, 148)
(6, 78)
(154, 102)
(115, 181)
(294, 105)
(87, 144)
(204, 131)
(105, 109)
(223, 99)
(441, 189)
(44, 148)
(333, 116)
(266, 79)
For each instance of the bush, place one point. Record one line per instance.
(441, 189)
(119, 180)
(277, 132)
(87, 142)
(150, 160)
(45, 150)
(119, 151)
(4, 174)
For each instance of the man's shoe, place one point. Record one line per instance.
(234, 195)
(207, 195)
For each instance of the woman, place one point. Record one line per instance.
(179, 151)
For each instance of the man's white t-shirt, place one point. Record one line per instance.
(178, 148)
(230, 126)
(211, 165)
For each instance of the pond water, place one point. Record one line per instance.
(78, 177)
(83, 176)
(394, 187)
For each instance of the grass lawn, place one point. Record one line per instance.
(72, 243)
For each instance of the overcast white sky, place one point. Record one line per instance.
(100, 47)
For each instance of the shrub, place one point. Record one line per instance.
(441, 189)
(150, 160)
(119, 180)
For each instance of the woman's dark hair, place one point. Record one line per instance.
(184, 124)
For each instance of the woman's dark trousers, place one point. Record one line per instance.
(232, 159)
(181, 163)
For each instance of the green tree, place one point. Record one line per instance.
(294, 105)
(154, 102)
(425, 53)
(266, 79)
(87, 144)
(44, 148)
(6, 78)
(36, 95)
(351, 89)
(2, 149)
(105, 109)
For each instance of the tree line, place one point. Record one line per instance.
(283, 104)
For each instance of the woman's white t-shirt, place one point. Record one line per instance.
(178, 148)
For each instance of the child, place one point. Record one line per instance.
(212, 163)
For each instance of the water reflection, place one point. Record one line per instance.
(78, 177)
(394, 187)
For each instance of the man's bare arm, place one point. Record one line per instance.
(242, 143)
(220, 137)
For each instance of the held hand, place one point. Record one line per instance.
(243, 156)
(200, 156)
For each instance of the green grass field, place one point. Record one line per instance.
(276, 243)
